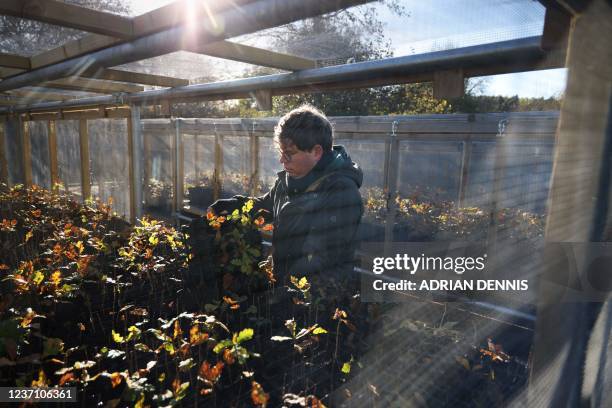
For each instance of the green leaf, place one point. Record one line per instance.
(222, 345)
(182, 391)
(244, 335)
(169, 347)
(319, 330)
(134, 333)
(141, 347)
(346, 368)
(38, 277)
(117, 338)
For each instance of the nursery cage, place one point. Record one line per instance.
(72, 122)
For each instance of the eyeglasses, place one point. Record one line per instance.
(287, 156)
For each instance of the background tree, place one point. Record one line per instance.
(28, 37)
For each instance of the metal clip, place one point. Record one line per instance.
(120, 98)
(501, 127)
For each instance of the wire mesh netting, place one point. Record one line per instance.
(69, 156)
(108, 147)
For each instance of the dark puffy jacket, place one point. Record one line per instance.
(315, 226)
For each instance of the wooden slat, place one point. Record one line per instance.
(53, 165)
(84, 150)
(26, 153)
(3, 162)
(31, 96)
(252, 55)
(91, 85)
(6, 72)
(135, 77)
(69, 15)
(14, 61)
(179, 12)
(72, 49)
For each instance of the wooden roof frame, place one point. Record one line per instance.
(109, 29)
(127, 29)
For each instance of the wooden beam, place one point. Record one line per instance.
(91, 85)
(263, 98)
(252, 55)
(556, 28)
(135, 77)
(26, 153)
(69, 15)
(72, 49)
(448, 84)
(53, 165)
(84, 150)
(14, 61)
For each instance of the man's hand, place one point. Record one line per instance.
(223, 206)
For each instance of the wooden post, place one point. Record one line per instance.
(196, 157)
(218, 166)
(53, 166)
(254, 162)
(84, 150)
(499, 166)
(26, 153)
(3, 162)
(391, 177)
(146, 142)
(174, 156)
(571, 337)
(135, 149)
(181, 169)
(466, 155)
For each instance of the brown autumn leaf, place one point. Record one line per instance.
(177, 329)
(211, 373)
(176, 384)
(69, 376)
(258, 396)
(116, 379)
(228, 357)
(196, 337)
(234, 305)
(339, 314)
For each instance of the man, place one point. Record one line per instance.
(315, 202)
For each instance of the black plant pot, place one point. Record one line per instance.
(201, 196)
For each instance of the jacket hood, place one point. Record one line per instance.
(343, 165)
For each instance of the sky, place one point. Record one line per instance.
(441, 24)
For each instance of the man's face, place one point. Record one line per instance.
(298, 163)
